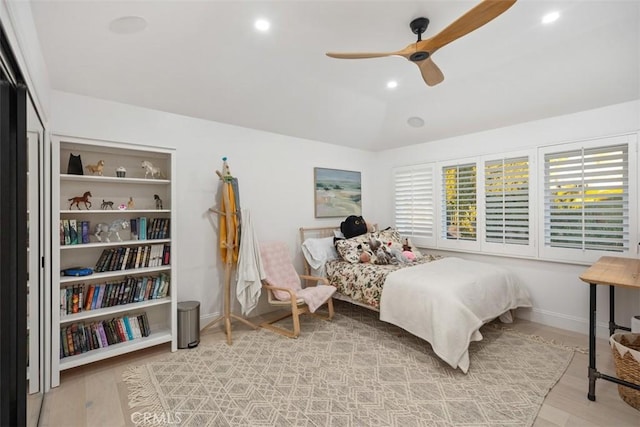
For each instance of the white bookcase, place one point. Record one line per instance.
(138, 194)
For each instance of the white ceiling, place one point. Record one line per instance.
(204, 59)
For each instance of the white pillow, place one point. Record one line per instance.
(317, 251)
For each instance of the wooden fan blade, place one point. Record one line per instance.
(430, 72)
(360, 55)
(472, 20)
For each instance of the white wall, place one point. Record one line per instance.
(276, 178)
(559, 297)
(275, 174)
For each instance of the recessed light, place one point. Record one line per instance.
(128, 25)
(416, 122)
(392, 84)
(262, 25)
(550, 17)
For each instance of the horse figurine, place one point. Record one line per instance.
(106, 204)
(158, 201)
(115, 227)
(84, 198)
(150, 170)
(97, 168)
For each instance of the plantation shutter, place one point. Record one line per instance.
(507, 201)
(587, 199)
(459, 196)
(414, 207)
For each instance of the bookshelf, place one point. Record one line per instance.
(126, 235)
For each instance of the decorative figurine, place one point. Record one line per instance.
(130, 204)
(121, 172)
(149, 169)
(97, 168)
(158, 201)
(84, 199)
(109, 229)
(106, 204)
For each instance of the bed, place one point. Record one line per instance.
(443, 300)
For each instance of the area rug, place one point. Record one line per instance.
(352, 371)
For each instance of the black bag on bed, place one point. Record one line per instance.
(353, 226)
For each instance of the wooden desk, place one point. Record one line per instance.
(610, 271)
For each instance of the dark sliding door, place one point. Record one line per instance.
(13, 244)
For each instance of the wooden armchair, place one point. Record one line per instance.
(284, 289)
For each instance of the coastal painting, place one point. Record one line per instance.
(338, 193)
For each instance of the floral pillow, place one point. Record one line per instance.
(389, 237)
(350, 249)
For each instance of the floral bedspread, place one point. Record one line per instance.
(363, 282)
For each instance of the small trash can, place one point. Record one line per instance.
(188, 324)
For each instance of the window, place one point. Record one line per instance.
(414, 207)
(459, 202)
(507, 205)
(585, 193)
(587, 200)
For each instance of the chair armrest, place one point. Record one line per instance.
(292, 293)
(320, 280)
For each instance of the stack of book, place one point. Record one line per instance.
(144, 228)
(74, 232)
(79, 337)
(125, 258)
(81, 297)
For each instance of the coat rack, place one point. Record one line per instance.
(229, 244)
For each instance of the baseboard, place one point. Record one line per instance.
(208, 318)
(563, 321)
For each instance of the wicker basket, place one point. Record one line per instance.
(626, 354)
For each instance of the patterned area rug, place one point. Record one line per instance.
(352, 371)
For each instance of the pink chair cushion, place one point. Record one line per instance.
(279, 269)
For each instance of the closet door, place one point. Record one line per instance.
(13, 253)
(35, 261)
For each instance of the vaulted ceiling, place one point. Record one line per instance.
(205, 59)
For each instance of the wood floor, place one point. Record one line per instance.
(95, 395)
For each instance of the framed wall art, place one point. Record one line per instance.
(338, 193)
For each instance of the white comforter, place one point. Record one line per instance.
(445, 302)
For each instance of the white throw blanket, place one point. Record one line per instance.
(250, 271)
(445, 302)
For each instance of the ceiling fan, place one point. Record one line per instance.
(421, 51)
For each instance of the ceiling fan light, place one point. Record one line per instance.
(262, 25)
(550, 17)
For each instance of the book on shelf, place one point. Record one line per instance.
(123, 264)
(89, 298)
(167, 254)
(73, 232)
(80, 297)
(85, 232)
(133, 226)
(165, 228)
(81, 337)
(142, 228)
(67, 235)
(147, 254)
(138, 255)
